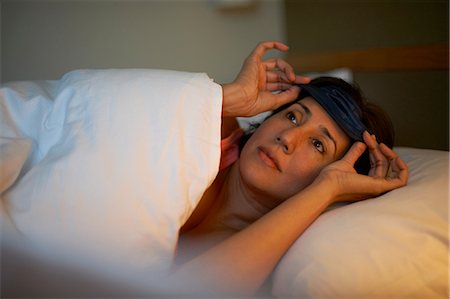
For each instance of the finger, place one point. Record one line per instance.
(263, 47)
(391, 156)
(402, 170)
(271, 65)
(273, 101)
(398, 168)
(353, 154)
(388, 152)
(275, 76)
(379, 164)
(371, 145)
(398, 177)
(280, 64)
(278, 86)
(302, 80)
(276, 63)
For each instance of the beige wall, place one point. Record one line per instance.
(43, 39)
(416, 100)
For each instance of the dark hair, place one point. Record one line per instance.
(376, 120)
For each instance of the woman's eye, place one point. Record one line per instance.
(318, 145)
(291, 116)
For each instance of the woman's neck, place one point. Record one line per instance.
(239, 206)
(228, 205)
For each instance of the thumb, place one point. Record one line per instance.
(355, 151)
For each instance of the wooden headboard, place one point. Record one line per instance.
(423, 57)
(410, 83)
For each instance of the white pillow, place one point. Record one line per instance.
(345, 74)
(121, 159)
(394, 246)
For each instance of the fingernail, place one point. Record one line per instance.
(292, 77)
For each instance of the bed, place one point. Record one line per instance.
(92, 203)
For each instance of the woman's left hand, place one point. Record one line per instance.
(388, 171)
(252, 92)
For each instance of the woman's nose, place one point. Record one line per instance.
(288, 139)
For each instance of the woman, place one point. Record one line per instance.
(297, 163)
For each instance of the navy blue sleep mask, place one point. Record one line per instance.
(339, 105)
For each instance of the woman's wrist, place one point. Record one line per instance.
(324, 189)
(232, 97)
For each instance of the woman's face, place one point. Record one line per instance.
(288, 150)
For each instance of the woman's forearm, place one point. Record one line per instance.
(240, 264)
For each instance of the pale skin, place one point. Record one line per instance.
(296, 164)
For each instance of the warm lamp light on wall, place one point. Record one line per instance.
(234, 5)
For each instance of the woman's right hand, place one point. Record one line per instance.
(252, 91)
(388, 171)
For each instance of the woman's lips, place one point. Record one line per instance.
(267, 158)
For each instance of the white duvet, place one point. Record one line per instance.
(103, 167)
